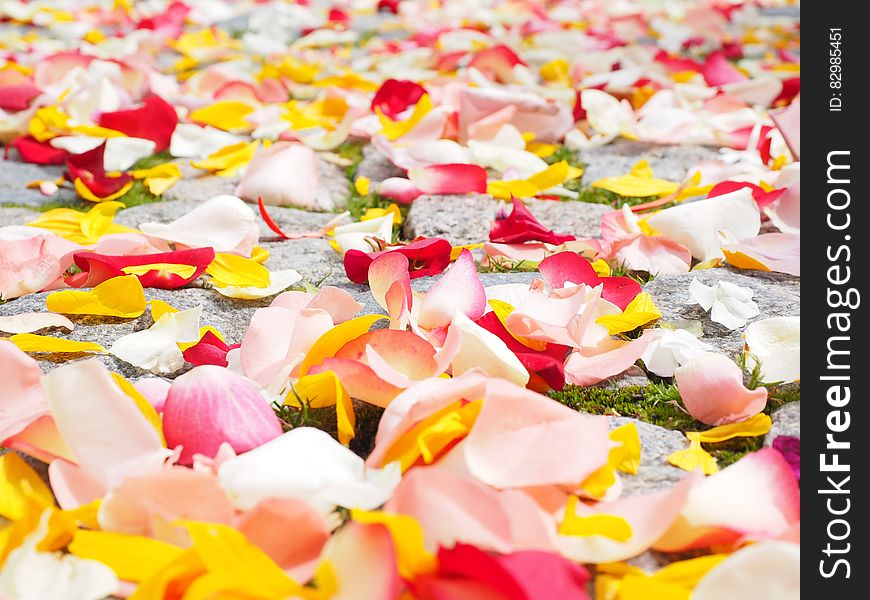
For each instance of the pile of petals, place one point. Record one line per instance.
(412, 453)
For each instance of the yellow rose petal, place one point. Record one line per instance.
(227, 115)
(412, 557)
(85, 192)
(30, 342)
(160, 178)
(752, 427)
(227, 161)
(237, 271)
(640, 311)
(324, 389)
(638, 183)
(609, 526)
(519, 188)
(132, 557)
(694, 457)
(116, 297)
(553, 175)
(393, 130)
(20, 487)
(362, 185)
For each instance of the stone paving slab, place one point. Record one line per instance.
(14, 177)
(776, 294)
(17, 216)
(656, 443)
(466, 219)
(785, 420)
(667, 162)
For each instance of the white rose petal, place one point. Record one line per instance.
(307, 463)
(673, 349)
(156, 349)
(776, 343)
(729, 304)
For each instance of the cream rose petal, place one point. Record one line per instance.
(776, 343)
(729, 304)
(156, 349)
(701, 226)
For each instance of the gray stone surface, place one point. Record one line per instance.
(14, 177)
(335, 181)
(16, 216)
(617, 158)
(776, 294)
(199, 186)
(786, 420)
(467, 219)
(376, 166)
(656, 444)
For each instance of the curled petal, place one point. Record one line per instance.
(518, 432)
(712, 389)
(755, 498)
(449, 179)
(441, 301)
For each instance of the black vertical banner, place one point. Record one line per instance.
(834, 436)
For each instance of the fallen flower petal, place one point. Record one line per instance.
(776, 344)
(772, 567)
(156, 349)
(32, 321)
(729, 304)
(116, 297)
(166, 270)
(307, 463)
(30, 342)
(521, 226)
(236, 413)
(155, 120)
(449, 179)
(224, 223)
(711, 387)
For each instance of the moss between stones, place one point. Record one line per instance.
(659, 404)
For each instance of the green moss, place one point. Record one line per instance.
(352, 151)
(62, 201)
(519, 266)
(659, 404)
(602, 196)
(137, 195)
(152, 161)
(572, 157)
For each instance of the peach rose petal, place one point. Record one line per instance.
(22, 400)
(453, 508)
(588, 369)
(711, 386)
(442, 300)
(145, 505)
(375, 578)
(266, 176)
(518, 432)
(649, 516)
(92, 414)
(756, 498)
(275, 520)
